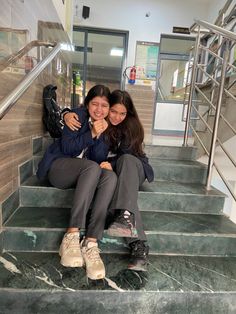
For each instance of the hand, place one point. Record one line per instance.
(106, 165)
(72, 121)
(99, 126)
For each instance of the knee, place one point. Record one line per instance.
(93, 168)
(110, 177)
(126, 159)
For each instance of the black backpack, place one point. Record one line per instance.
(51, 112)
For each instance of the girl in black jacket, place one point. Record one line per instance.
(125, 155)
(125, 136)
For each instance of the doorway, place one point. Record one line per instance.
(172, 79)
(99, 58)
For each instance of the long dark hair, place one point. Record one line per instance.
(130, 131)
(97, 90)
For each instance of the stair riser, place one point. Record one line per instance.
(8, 207)
(176, 243)
(162, 171)
(107, 302)
(181, 203)
(179, 173)
(1, 243)
(37, 145)
(178, 153)
(165, 152)
(46, 197)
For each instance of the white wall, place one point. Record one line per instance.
(25, 14)
(65, 14)
(130, 15)
(61, 10)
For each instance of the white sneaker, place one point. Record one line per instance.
(70, 251)
(94, 265)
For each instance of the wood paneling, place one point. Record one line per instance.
(9, 150)
(22, 122)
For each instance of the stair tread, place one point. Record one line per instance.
(42, 271)
(167, 187)
(154, 222)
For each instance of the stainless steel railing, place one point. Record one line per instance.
(7, 102)
(17, 55)
(217, 88)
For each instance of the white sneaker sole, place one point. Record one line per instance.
(97, 277)
(76, 263)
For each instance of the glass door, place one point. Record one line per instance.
(172, 79)
(101, 57)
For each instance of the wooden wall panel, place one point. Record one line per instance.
(23, 122)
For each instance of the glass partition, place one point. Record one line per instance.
(172, 83)
(100, 56)
(172, 80)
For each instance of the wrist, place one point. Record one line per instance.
(64, 113)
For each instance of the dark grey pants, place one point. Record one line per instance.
(91, 183)
(130, 176)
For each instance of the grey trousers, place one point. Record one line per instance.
(130, 176)
(91, 184)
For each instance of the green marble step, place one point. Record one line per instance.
(41, 229)
(179, 170)
(171, 152)
(174, 170)
(37, 143)
(162, 151)
(37, 283)
(155, 196)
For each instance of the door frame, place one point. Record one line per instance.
(168, 56)
(102, 31)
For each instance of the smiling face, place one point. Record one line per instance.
(117, 114)
(98, 108)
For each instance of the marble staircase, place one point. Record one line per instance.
(192, 247)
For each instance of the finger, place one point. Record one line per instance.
(70, 127)
(75, 124)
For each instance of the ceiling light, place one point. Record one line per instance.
(67, 47)
(116, 52)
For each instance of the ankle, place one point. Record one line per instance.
(87, 240)
(72, 230)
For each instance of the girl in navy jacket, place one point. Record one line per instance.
(66, 164)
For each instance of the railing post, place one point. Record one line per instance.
(217, 116)
(193, 78)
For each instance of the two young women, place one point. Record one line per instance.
(123, 153)
(67, 163)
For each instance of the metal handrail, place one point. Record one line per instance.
(217, 30)
(8, 101)
(23, 51)
(223, 66)
(218, 140)
(216, 82)
(212, 106)
(217, 168)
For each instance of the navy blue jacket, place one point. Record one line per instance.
(72, 143)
